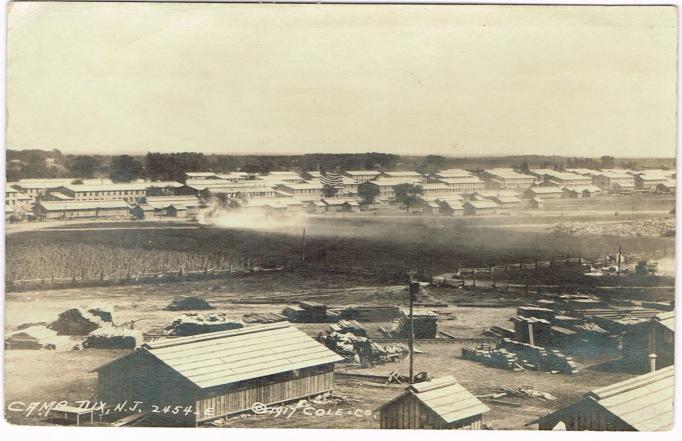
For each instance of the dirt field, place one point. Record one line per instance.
(348, 258)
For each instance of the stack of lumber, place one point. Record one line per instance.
(306, 312)
(76, 321)
(542, 330)
(618, 320)
(113, 338)
(263, 317)
(549, 360)
(316, 312)
(294, 313)
(536, 312)
(189, 304)
(352, 346)
(589, 328)
(498, 358)
(350, 326)
(373, 313)
(344, 344)
(425, 323)
(499, 331)
(193, 324)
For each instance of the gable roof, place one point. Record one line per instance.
(225, 357)
(81, 205)
(482, 204)
(448, 399)
(545, 190)
(666, 319)
(644, 402)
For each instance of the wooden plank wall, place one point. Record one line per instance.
(268, 390)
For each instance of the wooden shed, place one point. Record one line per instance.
(643, 403)
(221, 373)
(437, 404)
(654, 336)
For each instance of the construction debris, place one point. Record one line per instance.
(76, 321)
(189, 304)
(519, 392)
(397, 378)
(193, 324)
(36, 337)
(113, 338)
(353, 347)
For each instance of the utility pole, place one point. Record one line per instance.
(618, 273)
(414, 290)
(303, 247)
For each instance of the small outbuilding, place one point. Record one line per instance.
(643, 403)
(481, 207)
(437, 404)
(656, 337)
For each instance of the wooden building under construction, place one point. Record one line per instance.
(437, 404)
(221, 373)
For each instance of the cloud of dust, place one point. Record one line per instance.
(254, 218)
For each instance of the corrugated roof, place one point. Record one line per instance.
(644, 402)
(227, 357)
(666, 319)
(448, 399)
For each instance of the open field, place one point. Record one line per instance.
(428, 245)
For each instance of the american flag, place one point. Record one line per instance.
(331, 178)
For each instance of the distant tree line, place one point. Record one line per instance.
(23, 164)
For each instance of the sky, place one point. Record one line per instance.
(283, 79)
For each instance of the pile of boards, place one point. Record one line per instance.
(494, 357)
(349, 326)
(549, 360)
(306, 312)
(193, 324)
(113, 338)
(263, 317)
(514, 355)
(341, 339)
(425, 325)
(372, 313)
(518, 392)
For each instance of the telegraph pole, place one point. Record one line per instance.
(414, 290)
(618, 273)
(303, 247)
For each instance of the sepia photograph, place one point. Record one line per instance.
(340, 216)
